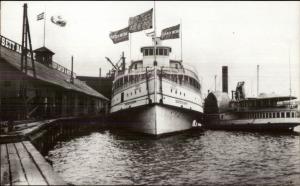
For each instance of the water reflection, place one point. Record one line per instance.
(208, 158)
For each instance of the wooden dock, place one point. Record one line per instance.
(22, 164)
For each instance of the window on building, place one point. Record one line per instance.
(151, 52)
(165, 52)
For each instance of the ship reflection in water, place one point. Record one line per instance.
(206, 158)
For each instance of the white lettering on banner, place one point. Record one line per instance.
(11, 45)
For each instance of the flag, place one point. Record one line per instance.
(120, 35)
(141, 22)
(40, 16)
(170, 33)
(58, 20)
(150, 34)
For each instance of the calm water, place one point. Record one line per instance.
(206, 158)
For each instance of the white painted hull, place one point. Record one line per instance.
(155, 119)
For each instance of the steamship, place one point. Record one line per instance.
(156, 95)
(266, 112)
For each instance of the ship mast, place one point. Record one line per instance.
(155, 62)
(290, 74)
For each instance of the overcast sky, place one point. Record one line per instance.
(240, 35)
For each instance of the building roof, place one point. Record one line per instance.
(49, 75)
(44, 49)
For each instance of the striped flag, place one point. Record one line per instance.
(40, 16)
(170, 33)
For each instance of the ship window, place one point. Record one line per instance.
(122, 97)
(161, 52)
(146, 52)
(176, 66)
(135, 66)
(293, 114)
(278, 115)
(274, 115)
(156, 51)
(150, 52)
(288, 114)
(165, 52)
(282, 114)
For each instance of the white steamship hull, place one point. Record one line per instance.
(155, 119)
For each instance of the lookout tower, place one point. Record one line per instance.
(44, 56)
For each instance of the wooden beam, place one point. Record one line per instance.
(33, 175)
(4, 168)
(51, 177)
(17, 174)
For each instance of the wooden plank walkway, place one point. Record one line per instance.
(22, 164)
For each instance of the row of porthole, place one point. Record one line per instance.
(127, 94)
(180, 93)
(116, 99)
(272, 115)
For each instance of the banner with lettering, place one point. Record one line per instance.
(141, 22)
(120, 35)
(170, 33)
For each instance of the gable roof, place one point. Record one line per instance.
(49, 75)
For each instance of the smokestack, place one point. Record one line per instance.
(72, 78)
(225, 79)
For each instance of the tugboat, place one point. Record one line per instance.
(262, 113)
(155, 95)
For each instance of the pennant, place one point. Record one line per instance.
(150, 34)
(170, 33)
(58, 20)
(40, 16)
(120, 35)
(141, 22)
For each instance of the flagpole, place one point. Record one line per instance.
(130, 46)
(154, 35)
(181, 38)
(44, 26)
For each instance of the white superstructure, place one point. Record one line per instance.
(156, 95)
